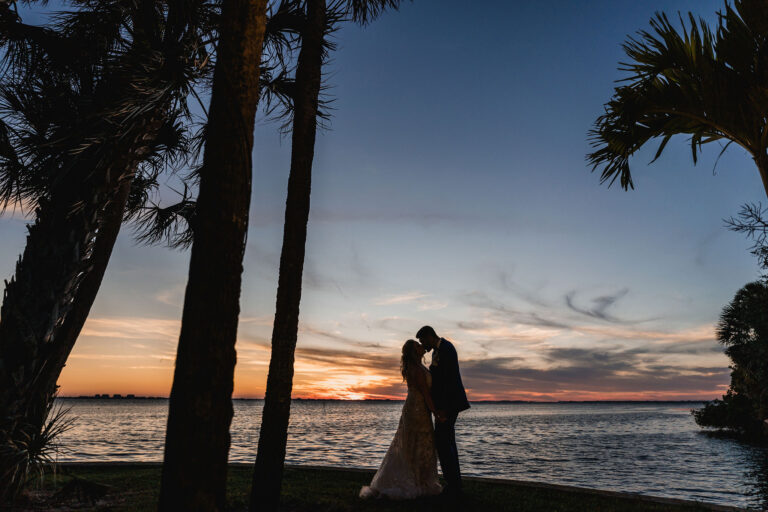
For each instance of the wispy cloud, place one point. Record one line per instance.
(599, 307)
(131, 328)
(500, 358)
(579, 373)
(402, 298)
(545, 318)
(337, 336)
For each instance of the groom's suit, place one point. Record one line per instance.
(448, 395)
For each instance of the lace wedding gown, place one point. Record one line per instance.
(409, 469)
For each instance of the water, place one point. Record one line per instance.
(649, 448)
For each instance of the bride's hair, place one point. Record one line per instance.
(410, 357)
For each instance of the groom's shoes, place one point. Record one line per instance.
(451, 499)
(451, 493)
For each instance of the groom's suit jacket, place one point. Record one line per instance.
(447, 389)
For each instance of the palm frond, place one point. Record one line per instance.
(172, 225)
(709, 85)
(366, 11)
(28, 451)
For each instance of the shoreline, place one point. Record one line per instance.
(525, 484)
(389, 400)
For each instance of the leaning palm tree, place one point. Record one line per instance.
(709, 84)
(317, 20)
(90, 108)
(197, 437)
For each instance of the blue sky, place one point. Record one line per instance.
(451, 189)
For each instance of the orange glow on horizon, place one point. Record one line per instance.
(126, 355)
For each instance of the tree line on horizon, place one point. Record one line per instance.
(96, 107)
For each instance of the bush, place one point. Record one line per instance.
(743, 330)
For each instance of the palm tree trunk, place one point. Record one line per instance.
(67, 334)
(197, 437)
(762, 167)
(68, 248)
(267, 478)
(45, 306)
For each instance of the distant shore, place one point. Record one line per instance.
(106, 396)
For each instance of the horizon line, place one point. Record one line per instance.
(131, 396)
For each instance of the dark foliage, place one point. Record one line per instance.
(743, 330)
(36, 450)
(170, 224)
(751, 221)
(709, 84)
(89, 102)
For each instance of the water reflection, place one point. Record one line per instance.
(648, 448)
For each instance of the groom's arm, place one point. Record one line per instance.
(453, 376)
(452, 364)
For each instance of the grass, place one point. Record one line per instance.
(136, 488)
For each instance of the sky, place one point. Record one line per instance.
(451, 189)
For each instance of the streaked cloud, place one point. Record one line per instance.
(599, 307)
(131, 328)
(403, 298)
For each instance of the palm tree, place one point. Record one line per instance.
(320, 20)
(197, 437)
(743, 330)
(89, 103)
(710, 85)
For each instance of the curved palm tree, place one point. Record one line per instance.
(89, 103)
(316, 21)
(709, 84)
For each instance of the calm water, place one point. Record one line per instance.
(652, 449)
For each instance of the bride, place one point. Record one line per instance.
(409, 469)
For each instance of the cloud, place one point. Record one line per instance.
(173, 296)
(336, 336)
(563, 323)
(432, 306)
(569, 374)
(699, 334)
(495, 332)
(600, 305)
(402, 298)
(704, 246)
(482, 301)
(539, 361)
(131, 328)
(581, 372)
(505, 283)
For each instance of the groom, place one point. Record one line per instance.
(450, 399)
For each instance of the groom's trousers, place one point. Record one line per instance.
(445, 441)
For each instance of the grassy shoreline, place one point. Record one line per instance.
(135, 487)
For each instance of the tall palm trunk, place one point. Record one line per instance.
(267, 478)
(762, 166)
(197, 437)
(111, 219)
(48, 299)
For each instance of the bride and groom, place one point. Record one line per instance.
(409, 469)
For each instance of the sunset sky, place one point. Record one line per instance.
(452, 190)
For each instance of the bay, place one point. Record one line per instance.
(652, 448)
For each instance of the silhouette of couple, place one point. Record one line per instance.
(409, 469)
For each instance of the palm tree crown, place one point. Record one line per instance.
(709, 84)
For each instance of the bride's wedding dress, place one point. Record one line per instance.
(409, 469)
